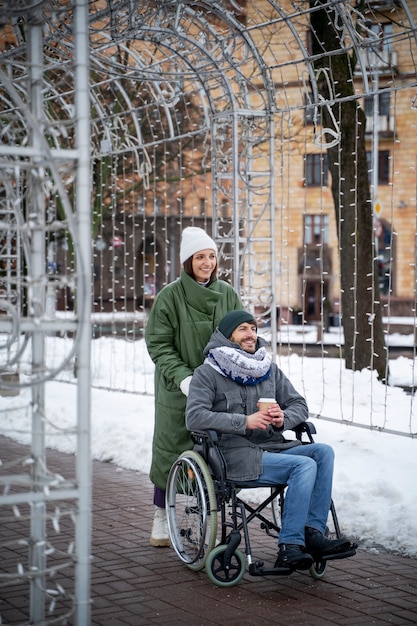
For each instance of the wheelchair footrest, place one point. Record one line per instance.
(343, 553)
(258, 569)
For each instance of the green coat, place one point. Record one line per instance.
(181, 321)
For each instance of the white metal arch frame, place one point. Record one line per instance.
(54, 119)
(217, 64)
(234, 168)
(35, 168)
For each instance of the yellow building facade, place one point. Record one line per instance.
(306, 230)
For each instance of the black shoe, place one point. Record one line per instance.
(293, 557)
(319, 544)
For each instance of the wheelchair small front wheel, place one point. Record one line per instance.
(219, 573)
(318, 569)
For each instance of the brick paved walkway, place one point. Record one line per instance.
(133, 583)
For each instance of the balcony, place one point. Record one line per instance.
(383, 61)
(381, 5)
(386, 125)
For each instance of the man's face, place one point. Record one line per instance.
(245, 335)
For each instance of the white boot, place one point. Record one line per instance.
(160, 536)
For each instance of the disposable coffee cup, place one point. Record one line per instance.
(264, 403)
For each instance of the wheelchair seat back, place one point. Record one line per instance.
(206, 444)
(216, 463)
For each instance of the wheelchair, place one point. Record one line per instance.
(198, 493)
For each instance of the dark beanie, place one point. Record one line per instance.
(232, 320)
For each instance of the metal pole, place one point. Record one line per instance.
(274, 324)
(375, 129)
(83, 209)
(237, 205)
(36, 306)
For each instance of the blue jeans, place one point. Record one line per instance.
(308, 472)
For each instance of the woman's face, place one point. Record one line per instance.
(203, 263)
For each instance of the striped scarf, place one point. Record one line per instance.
(242, 367)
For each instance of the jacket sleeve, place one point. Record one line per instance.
(201, 401)
(160, 341)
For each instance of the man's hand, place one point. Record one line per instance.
(261, 419)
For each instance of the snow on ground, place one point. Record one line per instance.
(368, 424)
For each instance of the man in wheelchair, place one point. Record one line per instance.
(224, 395)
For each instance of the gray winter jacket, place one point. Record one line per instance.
(219, 403)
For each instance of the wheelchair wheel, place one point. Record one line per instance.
(191, 507)
(217, 571)
(318, 569)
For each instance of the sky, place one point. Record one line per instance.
(367, 423)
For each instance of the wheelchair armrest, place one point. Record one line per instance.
(305, 427)
(208, 436)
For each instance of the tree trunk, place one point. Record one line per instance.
(360, 302)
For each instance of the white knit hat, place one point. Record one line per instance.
(193, 240)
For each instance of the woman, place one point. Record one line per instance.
(183, 317)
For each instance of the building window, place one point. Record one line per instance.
(316, 229)
(384, 255)
(384, 99)
(310, 114)
(383, 32)
(383, 167)
(316, 170)
(224, 208)
(385, 122)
